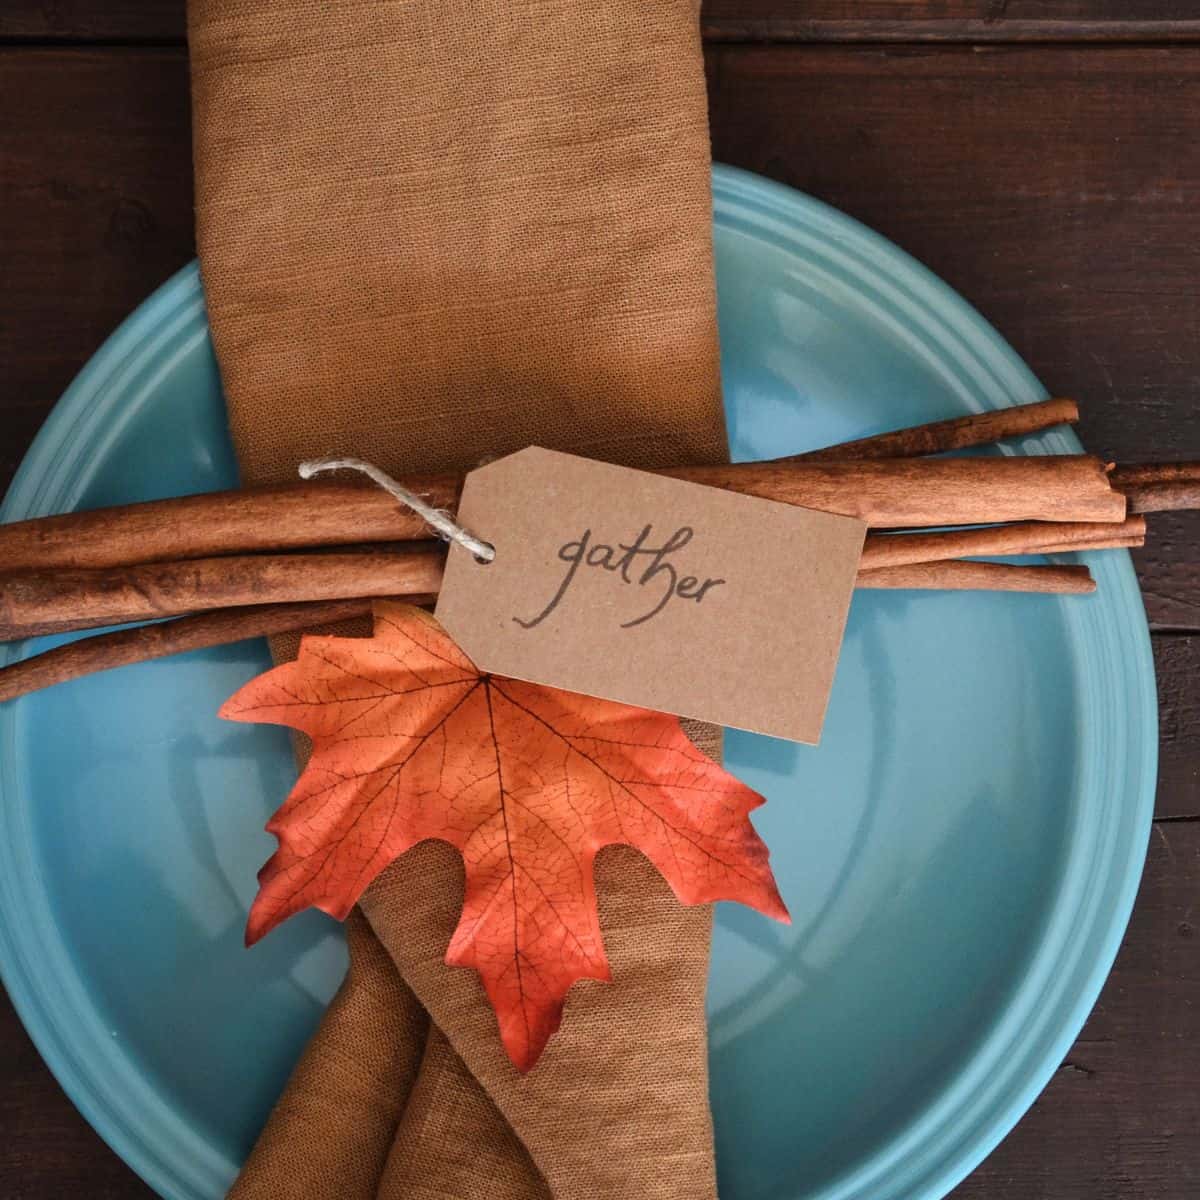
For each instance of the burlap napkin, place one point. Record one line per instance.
(431, 233)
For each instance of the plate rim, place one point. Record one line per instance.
(937, 1149)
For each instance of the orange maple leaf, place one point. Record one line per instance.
(411, 741)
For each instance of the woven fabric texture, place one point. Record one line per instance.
(431, 234)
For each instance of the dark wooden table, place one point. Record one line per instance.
(1042, 156)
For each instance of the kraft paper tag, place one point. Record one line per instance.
(653, 591)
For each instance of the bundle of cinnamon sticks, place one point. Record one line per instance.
(225, 566)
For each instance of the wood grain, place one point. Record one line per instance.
(1057, 186)
(95, 205)
(1119, 1118)
(723, 20)
(945, 21)
(47, 1150)
(1169, 569)
(86, 20)
(1177, 661)
(1057, 189)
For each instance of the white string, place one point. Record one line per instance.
(438, 520)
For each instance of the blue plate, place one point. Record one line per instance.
(960, 854)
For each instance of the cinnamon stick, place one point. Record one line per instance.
(981, 576)
(39, 603)
(107, 650)
(958, 433)
(35, 603)
(893, 493)
(1028, 537)
(276, 517)
(886, 493)
(123, 647)
(1159, 487)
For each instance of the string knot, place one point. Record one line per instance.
(437, 519)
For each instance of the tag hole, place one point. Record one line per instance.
(486, 562)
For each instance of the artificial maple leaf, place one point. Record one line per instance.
(411, 741)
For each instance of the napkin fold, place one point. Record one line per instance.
(432, 233)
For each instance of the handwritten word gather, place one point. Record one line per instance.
(659, 575)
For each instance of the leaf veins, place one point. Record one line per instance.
(411, 741)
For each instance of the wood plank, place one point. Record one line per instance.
(86, 20)
(48, 1150)
(723, 20)
(883, 21)
(96, 205)
(1177, 663)
(1169, 568)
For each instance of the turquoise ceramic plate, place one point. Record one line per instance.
(959, 855)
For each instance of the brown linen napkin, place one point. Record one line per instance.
(431, 233)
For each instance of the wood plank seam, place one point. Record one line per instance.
(997, 32)
(796, 31)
